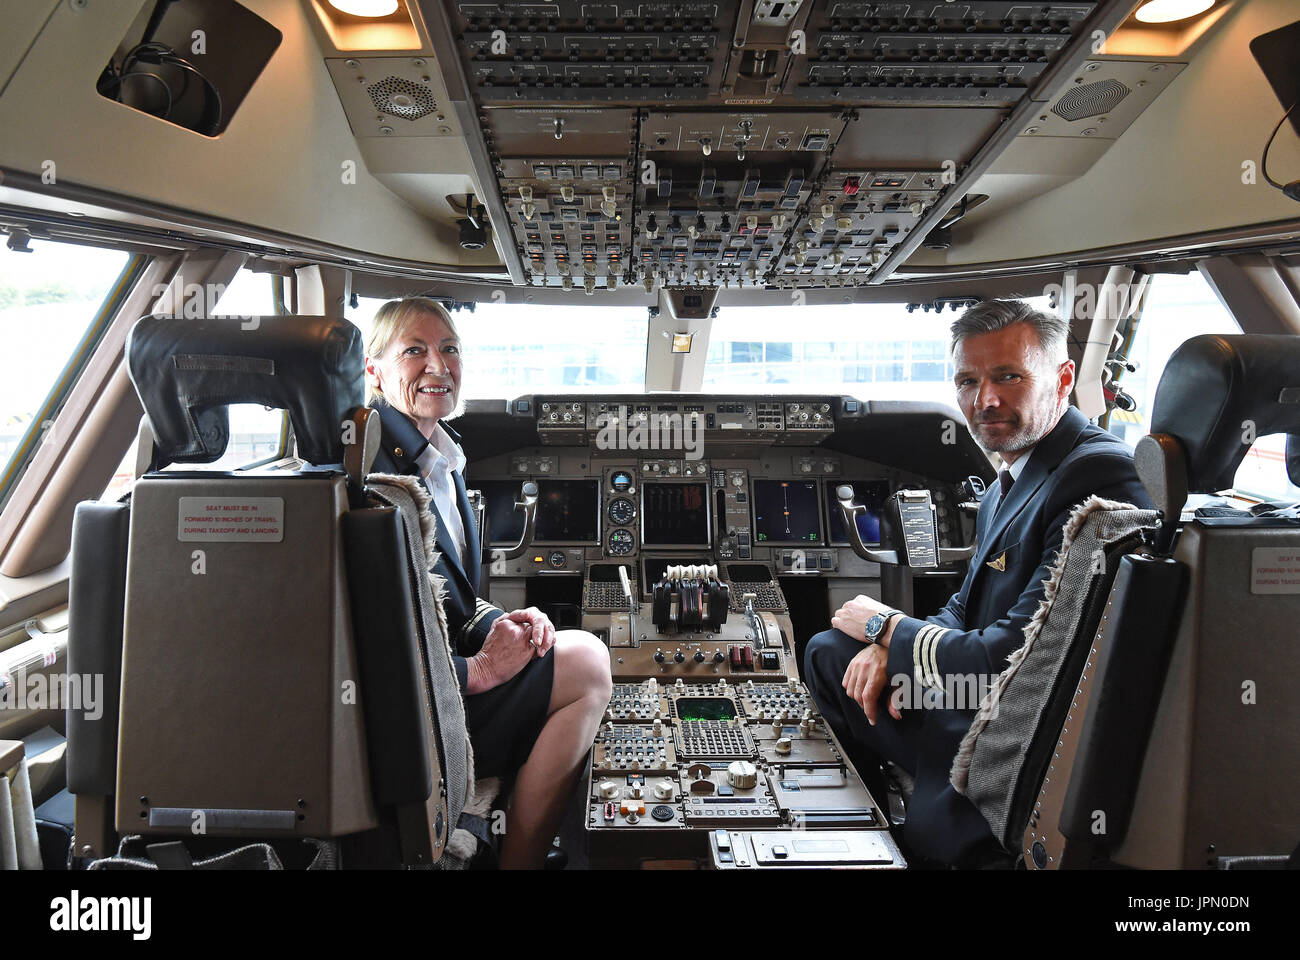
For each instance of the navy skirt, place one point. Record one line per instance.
(504, 722)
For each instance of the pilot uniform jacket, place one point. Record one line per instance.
(980, 626)
(468, 618)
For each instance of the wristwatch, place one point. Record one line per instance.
(876, 625)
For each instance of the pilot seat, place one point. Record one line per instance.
(281, 684)
(1151, 718)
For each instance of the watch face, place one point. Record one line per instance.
(874, 626)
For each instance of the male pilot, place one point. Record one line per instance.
(1013, 380)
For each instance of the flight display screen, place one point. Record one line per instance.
(871, 494)
(505, 524)
(567, 511)
(785, 511)
(674, 514)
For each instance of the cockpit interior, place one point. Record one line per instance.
(703, 260)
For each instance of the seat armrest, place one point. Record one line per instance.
(11, 751)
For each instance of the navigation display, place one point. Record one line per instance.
(505, 524)
(674, 514)
(567, 511)
(785, 511)
(872, 494)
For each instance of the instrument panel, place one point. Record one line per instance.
(778, 507)
(689, 524)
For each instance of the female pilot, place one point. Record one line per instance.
(533, 697)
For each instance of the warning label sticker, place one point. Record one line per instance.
(248, 519)
(1275, 570)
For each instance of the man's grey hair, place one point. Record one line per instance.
(993, 315)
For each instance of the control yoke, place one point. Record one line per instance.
(915, 526)
(529, 506)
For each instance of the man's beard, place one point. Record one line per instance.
(1023, 436)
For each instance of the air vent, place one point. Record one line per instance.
(402, 98)
(1091, 100)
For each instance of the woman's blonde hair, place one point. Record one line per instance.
(391, 319)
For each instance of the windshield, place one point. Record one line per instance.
(514, 348)
(878, 351)
(869, 351)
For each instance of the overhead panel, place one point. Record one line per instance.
(699, 144)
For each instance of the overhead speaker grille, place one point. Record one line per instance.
(1091, 100)
(402, 98)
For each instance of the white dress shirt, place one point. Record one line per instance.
(1015, 469)
(439, 460)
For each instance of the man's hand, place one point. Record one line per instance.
(853, 616)
(543, 631)
(865, 679)
(506, 650)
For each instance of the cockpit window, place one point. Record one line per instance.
(52, 312)
(1178, 308)
(510, 349)
(870, 351)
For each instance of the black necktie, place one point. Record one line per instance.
(1006, 479)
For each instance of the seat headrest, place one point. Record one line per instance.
(1219, 392)
(187, 372)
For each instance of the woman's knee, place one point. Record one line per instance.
(584, 661)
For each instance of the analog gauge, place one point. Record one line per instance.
(621, 511)
(621, 481)
(620, 543)
(557, 559)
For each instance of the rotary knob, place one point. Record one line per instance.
(742, 775)
(663, 790)
(608, 789)
(784, 745)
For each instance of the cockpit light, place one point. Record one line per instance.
(365, 8)
(1169, 11)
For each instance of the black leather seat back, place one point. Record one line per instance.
(1182, 733)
